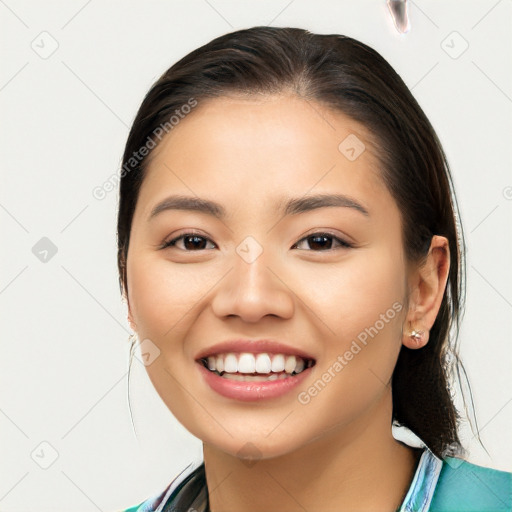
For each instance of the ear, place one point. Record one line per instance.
(125, 297)
(426, 285)
(132, 323)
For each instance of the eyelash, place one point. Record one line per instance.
(343, 243)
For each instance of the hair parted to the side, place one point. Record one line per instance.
(350, 77)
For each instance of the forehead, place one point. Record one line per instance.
(262, 147)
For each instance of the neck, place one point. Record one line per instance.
(357, 467)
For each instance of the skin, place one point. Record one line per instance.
(336, 452)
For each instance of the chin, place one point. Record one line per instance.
(251, 448)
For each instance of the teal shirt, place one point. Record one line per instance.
(463, 486)
(447, 485)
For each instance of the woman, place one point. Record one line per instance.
(289, 252)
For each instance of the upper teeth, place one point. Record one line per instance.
(246, 362)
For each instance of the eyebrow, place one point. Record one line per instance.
(290, 206)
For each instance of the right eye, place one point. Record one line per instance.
(191, 242)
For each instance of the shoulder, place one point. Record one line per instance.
(463, 486)
(148, 505)
(152, 503)
(170, 492)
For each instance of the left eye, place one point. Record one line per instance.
(320, 240)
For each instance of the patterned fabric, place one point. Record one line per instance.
(448, 485)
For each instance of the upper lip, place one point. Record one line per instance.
(254, 346)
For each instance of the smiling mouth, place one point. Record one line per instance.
(247, 366)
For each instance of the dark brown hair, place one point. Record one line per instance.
(347, 76)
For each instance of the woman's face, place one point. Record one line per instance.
(259, 273)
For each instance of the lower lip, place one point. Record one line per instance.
(250, 391)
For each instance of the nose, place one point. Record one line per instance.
(253, 289)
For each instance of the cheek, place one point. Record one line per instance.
(351, 295)
(162, 293)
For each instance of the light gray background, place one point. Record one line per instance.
(65, 118)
